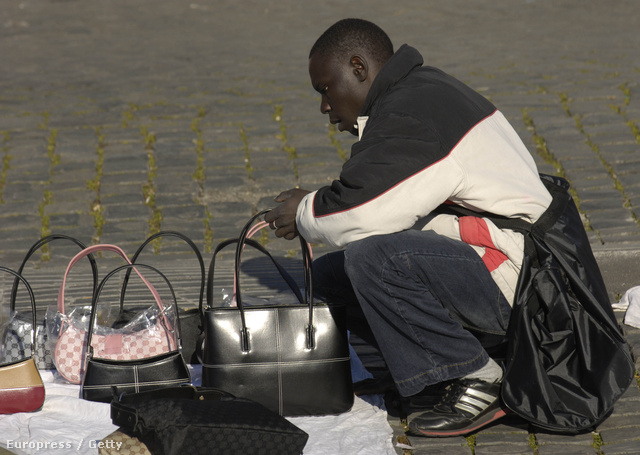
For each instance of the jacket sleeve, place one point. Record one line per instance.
(388, 184)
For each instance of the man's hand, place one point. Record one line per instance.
(283, 218)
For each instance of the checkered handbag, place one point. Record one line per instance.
(15, 348)
(21, 387)
(18, 327)
(71, 348)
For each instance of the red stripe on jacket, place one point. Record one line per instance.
(475, 231)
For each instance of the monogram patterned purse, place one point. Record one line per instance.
(71, 348)
(21, 387)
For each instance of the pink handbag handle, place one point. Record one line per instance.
(264, 224)
(94, 249)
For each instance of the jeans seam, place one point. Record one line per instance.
(399, 307)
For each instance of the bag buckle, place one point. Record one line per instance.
(244, 340)
(311, 337)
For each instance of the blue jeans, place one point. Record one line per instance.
(427, 302)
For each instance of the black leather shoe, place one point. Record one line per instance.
(468, 405)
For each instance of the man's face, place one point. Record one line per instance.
(343, 85)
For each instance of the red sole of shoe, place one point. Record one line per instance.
(498, 415)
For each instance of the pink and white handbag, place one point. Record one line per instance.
(70, 353)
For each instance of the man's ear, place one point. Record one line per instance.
(360, 67)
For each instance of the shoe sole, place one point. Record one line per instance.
(445, 433)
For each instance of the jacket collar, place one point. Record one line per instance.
(405, 59)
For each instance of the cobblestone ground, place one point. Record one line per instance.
(121, 118)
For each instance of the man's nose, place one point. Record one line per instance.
(325, 107)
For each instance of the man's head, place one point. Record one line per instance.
(343, 63)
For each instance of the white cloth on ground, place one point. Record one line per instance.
(69, 425)
(630, 302)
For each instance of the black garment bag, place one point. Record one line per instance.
(567, 362)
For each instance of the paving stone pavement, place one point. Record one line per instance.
(120, 118)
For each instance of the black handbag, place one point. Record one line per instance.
(105, 377)
(201, 421)
(567, 362)
(293, 359)
(19, 327)
(190, 318)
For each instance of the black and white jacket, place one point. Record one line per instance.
(428, 139)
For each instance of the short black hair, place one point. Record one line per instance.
(348, 35)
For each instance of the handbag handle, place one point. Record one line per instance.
(39, 244)
(189, 242)
(18, 278)
(153, 290)
(282, 271)
(86, 252)
(308, 296)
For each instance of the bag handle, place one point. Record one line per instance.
(308, 296)
(86, 252)
(39, 244)
(153, 290)
(281, 270)
(288, 278)
(189, 242)
(18, 278)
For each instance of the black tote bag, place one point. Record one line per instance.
(293, 359)
(567, 362)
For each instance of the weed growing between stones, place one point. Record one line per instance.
(342, 153)
(247, 154)
(548, 157)
(149, 189)
(597, 442)
(45, 121)
(128, 115)
(198, 174)
(208, 231)
(533, 443)
(471, 443)
(289, 149)
(96, 210)
(199, 177)
(622, 111)
(6, 160)
(47, 198)
(617, 184)
(541, 145)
